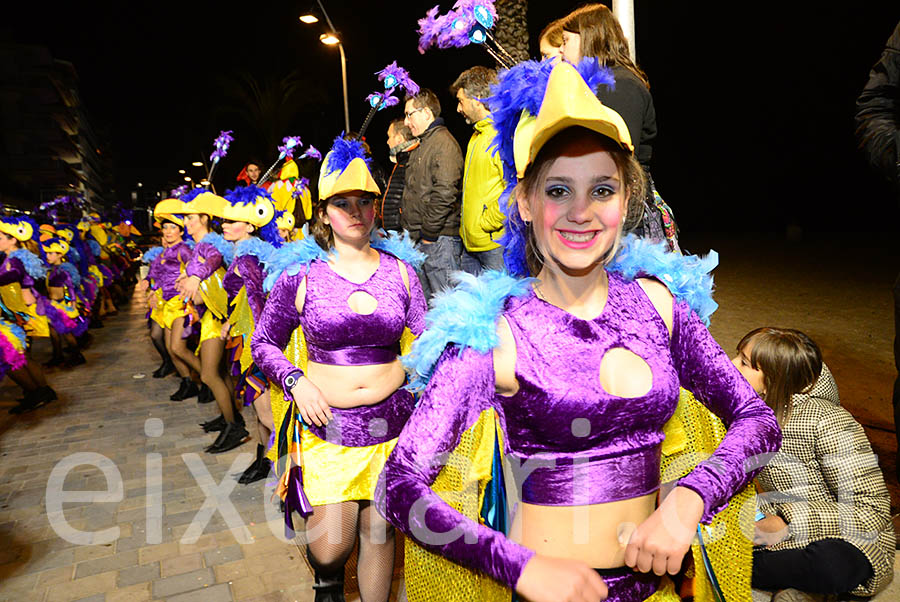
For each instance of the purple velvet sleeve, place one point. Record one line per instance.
(753, 433)
(417, 306)
(13, 271)
(59, 278)
(461, 387)
(205, 260)
(153, 271)
(252, 274)
(273, 331)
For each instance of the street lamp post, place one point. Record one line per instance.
(332, 39)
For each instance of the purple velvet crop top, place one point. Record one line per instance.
(334, 333)
(570, 442)
(166, 268)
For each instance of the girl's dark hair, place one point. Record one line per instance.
(633, 184)
(602, 37)
(790, 361)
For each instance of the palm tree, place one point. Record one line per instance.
(511, 30)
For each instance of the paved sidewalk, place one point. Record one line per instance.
(106, 409)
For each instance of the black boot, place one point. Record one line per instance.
(231, 436)
(330, 587)
(215, 425)
(33, 400)
(205, 395)
(56, 360)
(165, 369)
(74, 357)
(259, 469)
(187, 389)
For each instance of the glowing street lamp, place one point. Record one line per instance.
(309, 18)
(197, 163)
(187, 178)
(181, 171)
(331, 39)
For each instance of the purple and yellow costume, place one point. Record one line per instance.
(341, 461)
(208, 262)
(164, 271)
(12, 348)
(17, 275)
(581, 445)
(64, 314)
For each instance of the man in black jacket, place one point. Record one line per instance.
(431, 198)
(878, 132)
(400, 141)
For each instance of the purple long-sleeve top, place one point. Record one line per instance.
(582, 445)
(205, 260)
(166, 268)
(13, 270)
(246, 271)
(334, 333)
(57, 277)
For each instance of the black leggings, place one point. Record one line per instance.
(828, 566)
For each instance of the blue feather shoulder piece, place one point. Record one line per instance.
(291, 258)
(398, 244)
(253, 246)
(688, 277)
(73, 255)
(466, 316)
(72, 271)
(95, 247)
(150, 255)
(33, 264)
(223, 246)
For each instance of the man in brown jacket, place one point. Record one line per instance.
(431, 198)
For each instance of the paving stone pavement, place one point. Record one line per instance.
(125, 541)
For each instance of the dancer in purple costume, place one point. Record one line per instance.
(581, 364)
(354, 297)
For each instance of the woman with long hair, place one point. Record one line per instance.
(344, 300)
(825, 524)
(580, 362)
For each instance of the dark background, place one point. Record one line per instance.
(754, 101)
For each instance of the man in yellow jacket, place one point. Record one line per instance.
(482, 221)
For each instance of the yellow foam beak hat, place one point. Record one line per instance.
(258, 213)
(568, 102)
(208, 203)
(285, 222)
(167, 209)
(55, 245)
(356, 176)
(21, 231)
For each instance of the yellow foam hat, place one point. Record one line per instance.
(289, 170)
(258, 213)
(20, 230)
(99, 234)
(282, 192)
(568, 102)
(66, 234)
(285, 221)
(84, 225)
(356, 176)
(206, 202)
(55, 245)
(167, 210)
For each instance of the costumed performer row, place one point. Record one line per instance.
(581, 366)
(343, 305)
(19, 302)
(167, 309)
(66, 304)
(249, 223)
(201, 286)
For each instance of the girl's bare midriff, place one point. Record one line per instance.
(352, 386)
(595, 534)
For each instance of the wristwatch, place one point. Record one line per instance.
(291, 379)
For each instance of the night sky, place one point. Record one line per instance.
(754, 102)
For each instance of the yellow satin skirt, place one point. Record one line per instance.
(173, 309)
(157, 313)
(67, 307)
(334, 473)
(210, 328)
(36, 324)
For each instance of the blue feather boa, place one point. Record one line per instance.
(17, 332)
(73, 255)
(34, 267)
(466, 316)
(94, 246)
(72, 271)
(223, 246)
(398, 244)
(688, 277)
(291, 258)
(253, 246)
(150, 255)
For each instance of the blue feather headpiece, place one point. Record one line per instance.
(519, 90)
(249, 195)
(342, 152)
